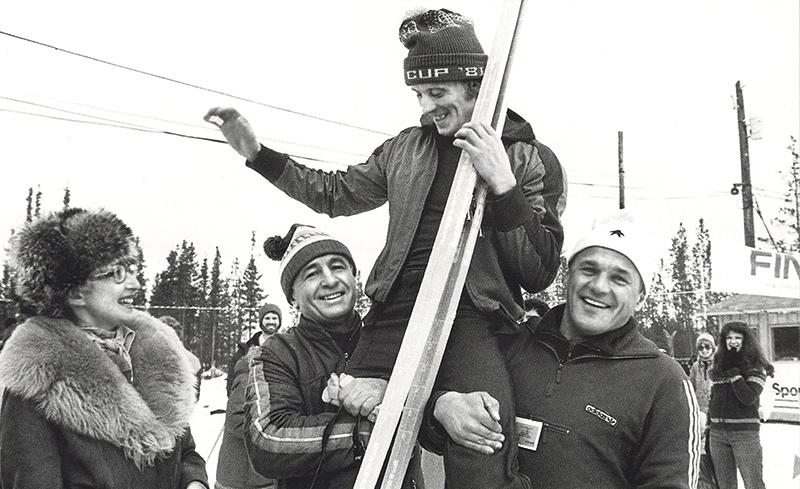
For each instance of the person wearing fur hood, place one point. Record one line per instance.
(97, 394)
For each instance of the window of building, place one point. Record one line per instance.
(786, 343)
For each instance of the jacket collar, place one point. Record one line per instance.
(76, 386)
(626, 341)
(316, 332)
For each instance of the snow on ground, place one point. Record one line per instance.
(207, 427)
(781, 442)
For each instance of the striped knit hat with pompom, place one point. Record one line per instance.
(301, 245)
(442, 47)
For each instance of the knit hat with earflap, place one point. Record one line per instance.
(301, 245)
(442, 46)
(620, 232)
(705, 338)
(60, 251)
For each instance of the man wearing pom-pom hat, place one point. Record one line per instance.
(293, 432)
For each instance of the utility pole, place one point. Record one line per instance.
(796, 187)
(747, 188)
(621, 172)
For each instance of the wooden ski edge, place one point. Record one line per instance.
(412, 414)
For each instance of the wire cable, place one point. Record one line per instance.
(764, 222)
(191, 85)
(204, 127)
(133, 127)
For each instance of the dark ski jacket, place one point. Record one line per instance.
(522, 235)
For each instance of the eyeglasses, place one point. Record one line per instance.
(119, 271)
(704, 347)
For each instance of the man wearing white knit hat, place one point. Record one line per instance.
(590, 389)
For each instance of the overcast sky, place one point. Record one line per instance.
(324, 80)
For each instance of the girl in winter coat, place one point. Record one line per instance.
(739, 372)
(97, 394)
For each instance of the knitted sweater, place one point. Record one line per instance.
(735, 400)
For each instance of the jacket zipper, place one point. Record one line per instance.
(559, 371)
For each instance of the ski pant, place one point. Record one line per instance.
(473, 361)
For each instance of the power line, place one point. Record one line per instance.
(152, 129)
(191, 85)
(764, 222)
(119, 125)
(137, 127)
(103, 109)
(73, 112)
(125, 125)
(132, 127)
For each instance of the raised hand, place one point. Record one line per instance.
(236, 129)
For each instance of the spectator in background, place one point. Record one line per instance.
(234, 470)
(700, 373)
(269, 323)
(700, 377)
(98, 394)
(739, 373)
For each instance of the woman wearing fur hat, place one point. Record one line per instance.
(97, 394)
(739, 373)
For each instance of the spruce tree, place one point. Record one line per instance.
(38, 209)
(29, 209)
(165, 286)
(223, 341)
(236, 304)
(7, 284)
(655, 314)
(701, 276)
(204, 316)
(189, 293)
(140, 299)
(788, 219)
(683, 292)
(250, 293)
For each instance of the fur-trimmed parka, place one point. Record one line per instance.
(71, 419)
